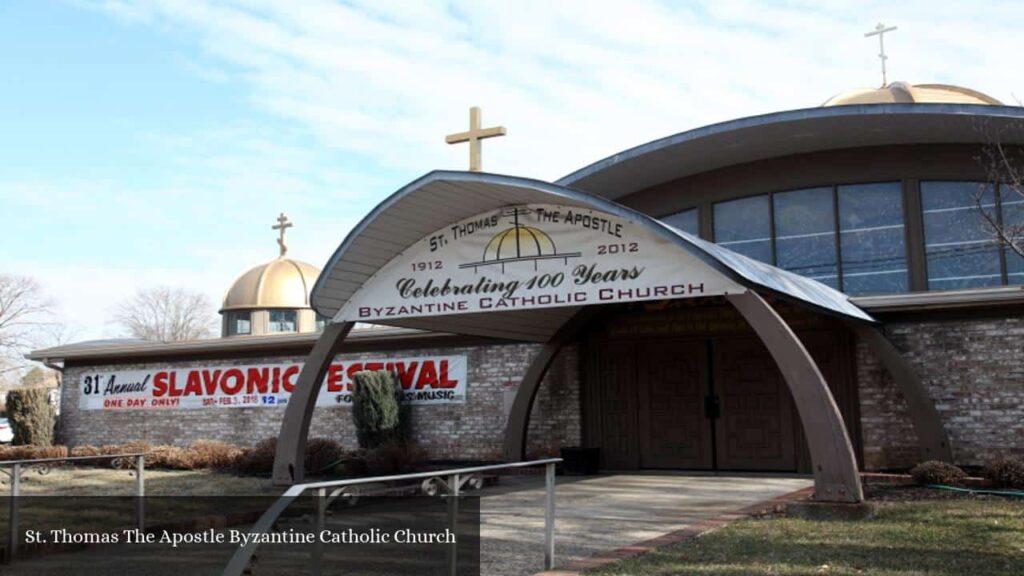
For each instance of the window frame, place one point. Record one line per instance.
(271, 322)
(320, 321)
(997, 198)
(232, 318)
(899, 183)
(912, 204)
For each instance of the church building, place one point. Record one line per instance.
(606, 309)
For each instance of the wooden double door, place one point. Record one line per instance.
(694, 404)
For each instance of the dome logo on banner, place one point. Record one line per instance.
(528, 257)
(520, 243)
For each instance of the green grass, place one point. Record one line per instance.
(61, 497)
(90, 481)
(953, 537)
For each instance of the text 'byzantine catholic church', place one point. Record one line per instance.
(272, 298)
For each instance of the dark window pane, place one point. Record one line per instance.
(743, 226)
(960, 249)
(871, 238)
(239, 323)
(1013, 219)
(685, 221)
(805, 235)
(283, 321)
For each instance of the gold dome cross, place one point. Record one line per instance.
(282, 225)
(880, 31)
(474, 136)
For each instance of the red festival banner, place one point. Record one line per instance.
(424, 380)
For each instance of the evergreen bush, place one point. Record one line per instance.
(31, 416)
(376, 411)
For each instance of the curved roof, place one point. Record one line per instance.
(441, 198)
(897, 92)
(280, 283)
(794, 132)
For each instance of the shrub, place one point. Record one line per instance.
(375, 408)
(32, 452)
(134, 447)
(393, 457)
(214, 454)
(50, 452)
(32, 418)
(12, 452)
(1007, 472)
(354, 465)
(259, 459)
(86, 450)
(322, 454)
(936, 472)
(172, 458)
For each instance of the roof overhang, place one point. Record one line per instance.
(122, 350)
(795, 132)
(403, 223)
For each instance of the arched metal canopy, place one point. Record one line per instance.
(397, 235)
(441, 198)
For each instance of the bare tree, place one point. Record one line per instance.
(1004, 166)
(26, 317)
(166, 314)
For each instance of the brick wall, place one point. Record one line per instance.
(473, 430)
(973, 371)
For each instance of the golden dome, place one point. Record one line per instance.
(902, 92)
(280, 283)
(519, 242)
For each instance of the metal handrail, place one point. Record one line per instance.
(20, 467)
(298, 489)
(242, 556)
(74, 458)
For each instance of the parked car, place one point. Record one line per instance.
(6, 432)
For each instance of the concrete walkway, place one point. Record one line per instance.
(593, 515)
(603, 513)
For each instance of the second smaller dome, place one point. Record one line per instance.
(280, 283)
(902, 92)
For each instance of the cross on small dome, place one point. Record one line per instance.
(282, 224)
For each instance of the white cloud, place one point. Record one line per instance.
(372, 87)
(574, 81)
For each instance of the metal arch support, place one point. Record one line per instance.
(836, 478)
(291, 440)
(518, 424)
(931, 436)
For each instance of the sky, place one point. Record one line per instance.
(154, 143)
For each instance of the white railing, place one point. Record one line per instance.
(450, 481)
(16, 469)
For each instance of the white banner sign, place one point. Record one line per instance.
(535, 256)
(425, 380)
